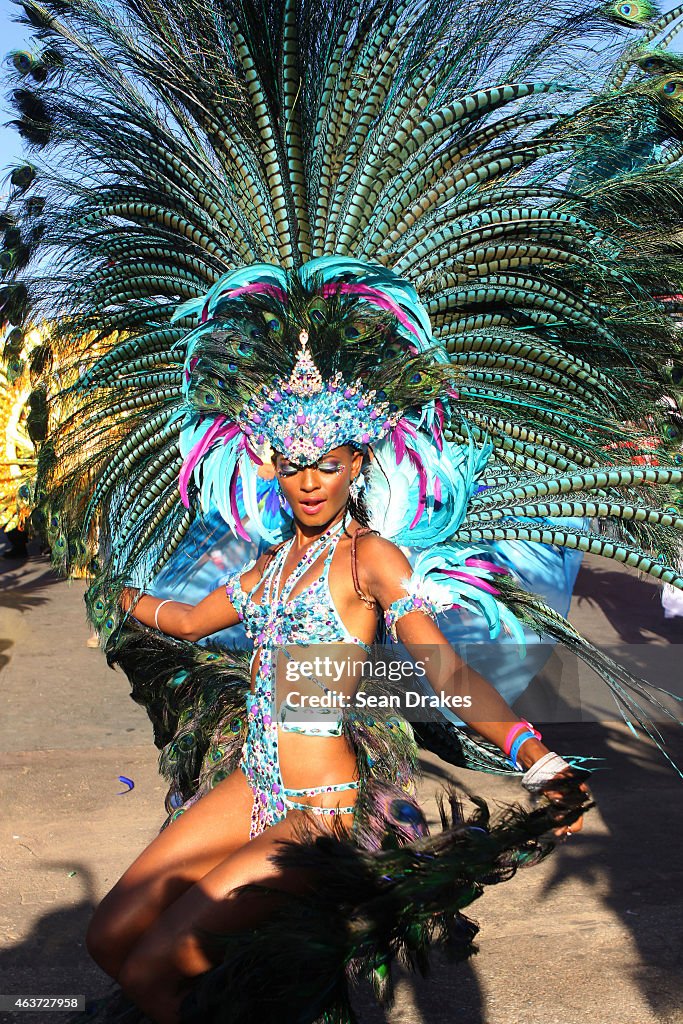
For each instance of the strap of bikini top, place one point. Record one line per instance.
(271, 555)
(362, 532)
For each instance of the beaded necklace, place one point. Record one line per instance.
(276, 594)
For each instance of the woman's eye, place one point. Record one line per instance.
(284, 469)
(330, 467)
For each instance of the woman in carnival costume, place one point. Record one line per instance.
(325, 588)
(324, 236)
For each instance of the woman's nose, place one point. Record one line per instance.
(309, 479)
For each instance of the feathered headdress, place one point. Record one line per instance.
(303, 362)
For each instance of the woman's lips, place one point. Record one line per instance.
(311, 506)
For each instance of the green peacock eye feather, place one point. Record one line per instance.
(208, 656)
(23, 61)
(108, 626)
(187, 742)
(672, 90)
(318, 311)
(177, 679)
(14, 370)
(357, 329)
(274, 325)
(632, 12)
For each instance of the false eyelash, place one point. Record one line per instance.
(292, 472)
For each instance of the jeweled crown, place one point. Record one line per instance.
(304, 416)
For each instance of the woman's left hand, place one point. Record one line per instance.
(560, 796)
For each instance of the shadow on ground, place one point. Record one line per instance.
(21, 589)
(632, 868)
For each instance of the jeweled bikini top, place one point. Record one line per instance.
(311, 617)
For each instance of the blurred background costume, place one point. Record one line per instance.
(469, 216)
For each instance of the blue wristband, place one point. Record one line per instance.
(522, 738)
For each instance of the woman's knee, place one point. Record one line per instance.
(114, 928)
(161, 962)
(103, 942)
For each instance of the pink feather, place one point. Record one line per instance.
(416, 461)
(374, 295)
(465, 577)
(480, 563)
(399, 442)
(437, 489)
(195, 454)
(233, 507)
(257, 287)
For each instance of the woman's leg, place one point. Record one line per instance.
(188, 848)
(160, 969)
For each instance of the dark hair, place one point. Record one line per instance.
(357, 509)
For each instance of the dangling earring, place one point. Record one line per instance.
(281, 498)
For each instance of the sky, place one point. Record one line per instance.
(12, 37)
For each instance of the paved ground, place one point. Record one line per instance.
(593, 934)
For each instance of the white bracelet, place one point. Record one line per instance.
(169, 600)
(543, 770)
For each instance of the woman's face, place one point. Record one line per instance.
(318, 493)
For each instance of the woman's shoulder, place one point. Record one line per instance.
(377, 555)
(372, 543)
(253, 569)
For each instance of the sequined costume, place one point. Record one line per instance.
(278, 620)
(274, 623)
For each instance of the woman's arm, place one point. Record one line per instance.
(190, 621)
(383, 571)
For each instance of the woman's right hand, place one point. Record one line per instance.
(129, 595)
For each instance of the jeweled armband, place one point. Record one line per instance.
(233, 588)
(422, 596)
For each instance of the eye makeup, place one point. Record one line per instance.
(329, 466)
